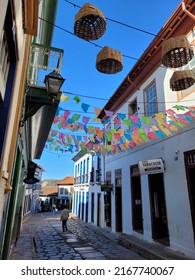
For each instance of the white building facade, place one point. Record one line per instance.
(65, 190)
(154, 206)
(157, 205)
(82, 169)
(92, 193)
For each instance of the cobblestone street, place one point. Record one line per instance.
(81, 241)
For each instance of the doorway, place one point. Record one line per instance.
(108, 201)
(190, 174)
(99, 210)
(107, 207)
(118, 200)
(158, 209)
(137, 216)
(92, 207)
(118, 209)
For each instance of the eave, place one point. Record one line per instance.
(40, 114)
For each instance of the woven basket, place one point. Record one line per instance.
(181, 80)
(90, 23)
(176, 52)
(109, 61)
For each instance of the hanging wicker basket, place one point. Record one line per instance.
(182, 80)
(90, 23)
(176, 52)
(109, 61)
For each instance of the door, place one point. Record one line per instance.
(190, 174)
(118, 199)
(107, 207)
(107, 201)
(92, 207)
(118, 209)
(158, 208)
(137, 217)
(83, 205)
(99, 210)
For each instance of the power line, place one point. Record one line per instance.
(107, 99)
(119, 22)
(59, 155)
(94, 44)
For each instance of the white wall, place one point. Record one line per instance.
(176, 191)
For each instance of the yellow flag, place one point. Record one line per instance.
(64, 98)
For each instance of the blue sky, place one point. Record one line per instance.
(78, 66)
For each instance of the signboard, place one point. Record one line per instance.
(63, 197)
(151, 166)
(106, 187)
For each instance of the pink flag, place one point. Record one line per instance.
(66, 114)
(97, 111)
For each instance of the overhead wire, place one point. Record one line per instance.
(121, 23)
(107, 99)
(96, 45)
(92, 43)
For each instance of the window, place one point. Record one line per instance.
(117, 123)
(66, 191)
(150, 100)
(98, 162)
(191, 159)
(108, 177)
(133, 107)
(4, 63)
(118, 177)
(84, 165)
(61, 191)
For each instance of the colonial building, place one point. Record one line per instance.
(27, 109)
(83, 173)
(155, 204)
(65, 190)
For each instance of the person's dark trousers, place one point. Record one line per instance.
(64, 225)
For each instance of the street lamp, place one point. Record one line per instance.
(53, 82)
(33, 173)
(37, 97)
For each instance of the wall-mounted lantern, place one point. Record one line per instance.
(53, 82)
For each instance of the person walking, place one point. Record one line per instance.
(64, 218)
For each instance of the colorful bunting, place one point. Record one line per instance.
(76, 117)
(64, 98)
(109, 113)
(97, 111)
(139, 131)
(77, 99)
(85, 107)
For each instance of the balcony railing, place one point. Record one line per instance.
(42, 60)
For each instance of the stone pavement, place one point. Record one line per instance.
(42, 239)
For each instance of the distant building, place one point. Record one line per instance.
(49, 193)
(65, 188)
(83, 171)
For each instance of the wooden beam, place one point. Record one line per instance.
(31, 8)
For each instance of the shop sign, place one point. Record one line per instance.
(151, 166)
(106, 187)
(63, 197)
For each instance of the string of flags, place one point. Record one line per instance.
(103, 139)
